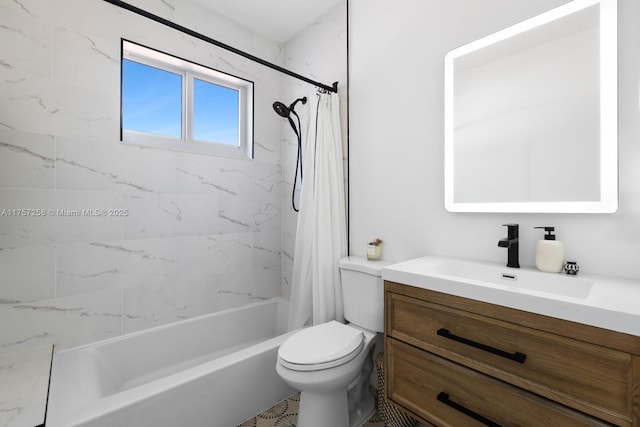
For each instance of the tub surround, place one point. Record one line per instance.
(202, 233)
(24, 377)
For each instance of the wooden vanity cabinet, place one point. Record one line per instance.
(452, 361)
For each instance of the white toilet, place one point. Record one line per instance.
(331, 363)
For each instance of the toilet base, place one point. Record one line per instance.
(362, 404)
(323, 409)
(331, 409)
(364, 411)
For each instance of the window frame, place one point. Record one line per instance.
(189, 71)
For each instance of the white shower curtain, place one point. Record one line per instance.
(321, 236)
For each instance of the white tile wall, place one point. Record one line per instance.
(58, 223)
(65, 322)
(26, 159)
(27, 274)
(25, 380)
(100, 63)
(105, 165)
(26, 41)
(201, 234)
(111, 265)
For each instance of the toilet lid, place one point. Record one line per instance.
(329, 343)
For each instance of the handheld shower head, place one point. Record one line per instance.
(281, 109)
(286, 112)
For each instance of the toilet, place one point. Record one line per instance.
(331, 363)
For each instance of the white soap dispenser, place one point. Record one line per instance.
(549, 252)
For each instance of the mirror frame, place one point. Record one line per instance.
(608, 202)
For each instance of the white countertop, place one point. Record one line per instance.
(24, 384)
(613, 303)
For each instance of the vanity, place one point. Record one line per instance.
(467, 346)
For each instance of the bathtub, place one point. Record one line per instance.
(215, 370)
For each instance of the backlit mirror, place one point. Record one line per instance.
(531, 115)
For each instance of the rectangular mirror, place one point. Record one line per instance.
(531, 115)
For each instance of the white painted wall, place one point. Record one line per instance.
(396, 138)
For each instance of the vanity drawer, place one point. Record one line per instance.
(448, 394)
(588, 377)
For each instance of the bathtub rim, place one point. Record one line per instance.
(182, 322)
(126, 398)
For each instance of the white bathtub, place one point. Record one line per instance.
(215, 370)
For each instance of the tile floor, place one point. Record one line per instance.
(285, 414)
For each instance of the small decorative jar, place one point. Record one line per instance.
(571, 268)
(374, 250)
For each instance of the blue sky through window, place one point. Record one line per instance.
(152, 103)
(151, 99)
(215, 113)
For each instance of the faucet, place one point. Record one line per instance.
(511, 243)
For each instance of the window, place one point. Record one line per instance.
(168, 102)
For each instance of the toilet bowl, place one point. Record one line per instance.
(331, 363)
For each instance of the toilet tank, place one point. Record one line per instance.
(363, 292)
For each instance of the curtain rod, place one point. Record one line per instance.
(163, 21)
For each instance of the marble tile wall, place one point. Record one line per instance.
(189, 234)
(25, 383)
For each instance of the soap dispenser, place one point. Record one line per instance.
(549, 252)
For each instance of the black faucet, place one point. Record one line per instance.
(511, 243)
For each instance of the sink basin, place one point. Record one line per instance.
(514, 279)
(600, 301)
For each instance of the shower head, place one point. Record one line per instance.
(284, 111)
(281, 109)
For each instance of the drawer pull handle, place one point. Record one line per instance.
(444, 398)
(517, 356)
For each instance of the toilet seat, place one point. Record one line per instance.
(321, 347)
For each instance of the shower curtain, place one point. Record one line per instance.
(321, 236)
